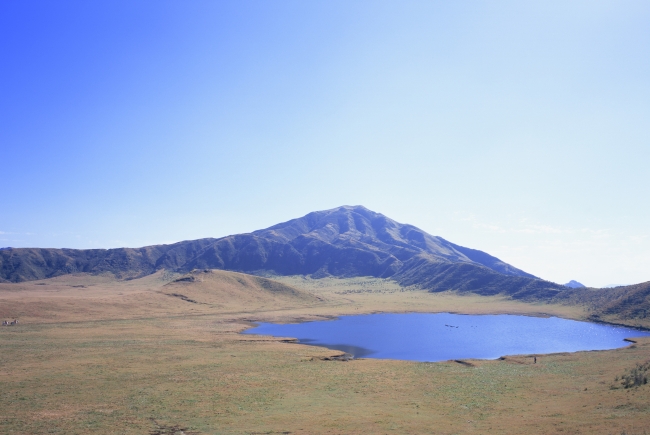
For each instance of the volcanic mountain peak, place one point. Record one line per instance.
(357, 226)
(340, 224)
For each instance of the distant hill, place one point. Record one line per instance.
(342, 242)
(574, 284)
(610, 304)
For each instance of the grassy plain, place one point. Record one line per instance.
(96, 355)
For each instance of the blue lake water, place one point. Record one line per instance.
(444, 336)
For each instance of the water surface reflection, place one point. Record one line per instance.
(444, 336)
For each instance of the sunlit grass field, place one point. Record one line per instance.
(91, 360)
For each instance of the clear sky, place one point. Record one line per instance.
(521, 128)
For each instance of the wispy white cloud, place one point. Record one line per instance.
(489, 227)
(638, 238)
(588, 252)
(526, 227)
(540, 229)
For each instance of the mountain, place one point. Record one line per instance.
(380, 245)
(612, 304)
(342, 242)
(574, 284)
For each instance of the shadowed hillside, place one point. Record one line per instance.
(28, 264)
(342, 242)
(613, 304)
(465, 277)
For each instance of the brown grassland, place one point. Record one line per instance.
(155, 355)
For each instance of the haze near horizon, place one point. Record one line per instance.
(516, 129)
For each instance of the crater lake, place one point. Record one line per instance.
(444, 336)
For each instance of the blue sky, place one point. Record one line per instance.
(518, 128)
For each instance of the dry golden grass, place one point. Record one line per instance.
(126, 358)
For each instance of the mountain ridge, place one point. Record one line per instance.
(345, 241)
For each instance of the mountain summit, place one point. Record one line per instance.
(343, 242)
(352, 241)
(574, 284)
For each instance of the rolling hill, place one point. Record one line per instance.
(347, 241)
(78, 297)
(612, 304)
(232, 290)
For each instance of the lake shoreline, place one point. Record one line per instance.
(434, 337)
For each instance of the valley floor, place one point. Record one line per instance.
(159, 356)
